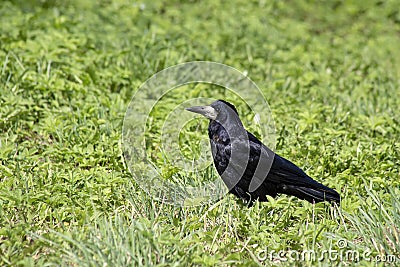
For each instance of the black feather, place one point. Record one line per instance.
(283, 176)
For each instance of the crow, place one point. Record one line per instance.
(251, 170)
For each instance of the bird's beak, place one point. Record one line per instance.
(207, 111)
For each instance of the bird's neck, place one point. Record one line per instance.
(234, 129)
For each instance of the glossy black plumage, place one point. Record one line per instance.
(274, 175)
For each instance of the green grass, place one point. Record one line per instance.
(68, 70)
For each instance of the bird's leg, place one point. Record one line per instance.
(244, 196)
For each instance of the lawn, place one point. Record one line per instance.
(330, 71)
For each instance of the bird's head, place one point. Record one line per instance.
(219, 110)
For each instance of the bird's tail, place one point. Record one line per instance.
(313, 194)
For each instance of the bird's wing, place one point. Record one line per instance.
(264, 166)
(286, 172)
(268, 166)
(250, 154)
(292, 180)
(283, 170)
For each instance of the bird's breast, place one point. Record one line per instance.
(219, 139)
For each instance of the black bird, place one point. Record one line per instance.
(249, 168)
